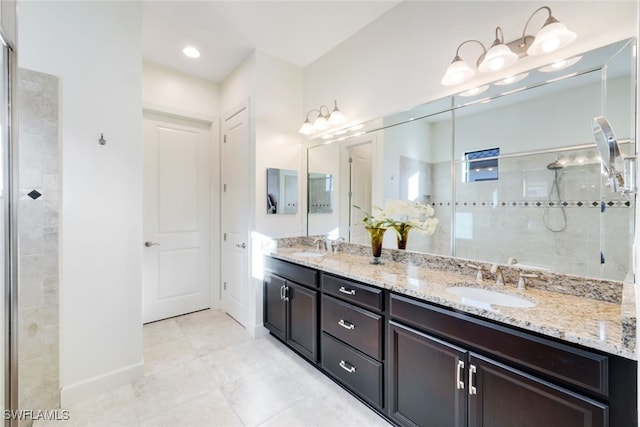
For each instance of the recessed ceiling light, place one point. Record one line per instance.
(191, 52)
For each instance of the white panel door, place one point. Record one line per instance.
(235, 211)
(176, 217)
(360, 159)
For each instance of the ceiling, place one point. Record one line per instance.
(226, 32)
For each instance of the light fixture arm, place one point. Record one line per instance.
(484, 49)
(550, 19)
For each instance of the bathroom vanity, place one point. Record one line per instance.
(420, 355)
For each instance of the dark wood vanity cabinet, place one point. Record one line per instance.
(352, 337)
(290, 305)
(421, 364)
(447, 368)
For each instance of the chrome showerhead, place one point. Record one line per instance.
(558, 164)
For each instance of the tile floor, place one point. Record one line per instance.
(203, 369)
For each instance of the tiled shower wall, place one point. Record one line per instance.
(38, 241)
(496, 220)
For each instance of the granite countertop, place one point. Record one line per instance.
(601, 324)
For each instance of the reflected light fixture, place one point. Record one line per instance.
(560, 65)
(552, 36)
(324, 120)
(511, 79)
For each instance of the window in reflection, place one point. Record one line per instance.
(482, 165)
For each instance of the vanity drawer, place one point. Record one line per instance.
(585, 369)
(357, 293)
(357, 327)
(294, 272)
(358, 372)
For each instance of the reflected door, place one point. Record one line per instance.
(360, 178)
(176, 214)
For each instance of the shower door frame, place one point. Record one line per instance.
(10, 223)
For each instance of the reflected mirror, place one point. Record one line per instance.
(282, 191)
(320, 191)
(510, 172)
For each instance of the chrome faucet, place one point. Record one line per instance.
(320, 244)
(335, 244)
(497, 270)
(479, 278)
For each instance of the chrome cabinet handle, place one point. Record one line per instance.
(148, 244)
(282, 292)
(241, 245)
(351, 369)
(286, 293)
(459, 371)
(346, 325)
(472, 371)
(347, 291)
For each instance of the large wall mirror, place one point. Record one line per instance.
(512, 171)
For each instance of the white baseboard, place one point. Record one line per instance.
(100, 384)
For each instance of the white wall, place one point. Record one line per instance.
(397, 61)
(88, 45)
(277, 102)
(168, 90)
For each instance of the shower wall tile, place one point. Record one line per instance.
(506, 215)
(38, 237)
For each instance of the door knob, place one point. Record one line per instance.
(149, 244)
(242, 246)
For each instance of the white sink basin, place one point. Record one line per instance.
(308, 254)
(484, 298)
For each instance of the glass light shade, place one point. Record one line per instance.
(320, 123)
(458, 72)
(336, 117)
(497, 58)
(306, 128)
(551, 37)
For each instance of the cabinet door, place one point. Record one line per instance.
(503, 396)
(274, 306)
(302, 325)
(427, 380)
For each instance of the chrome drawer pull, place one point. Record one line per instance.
(347, 291)
(346, 325)
(350, 369)
(472, 370)
(459, 370)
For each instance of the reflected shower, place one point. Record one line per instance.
(555, 166)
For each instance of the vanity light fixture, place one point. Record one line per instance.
(552, 36)
(323, 120)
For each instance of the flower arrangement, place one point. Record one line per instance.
(405, 213)
(402, 216)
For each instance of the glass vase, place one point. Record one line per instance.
(377, 235)
(402, 235)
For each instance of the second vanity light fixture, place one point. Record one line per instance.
(323, 120)
(552, 36)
